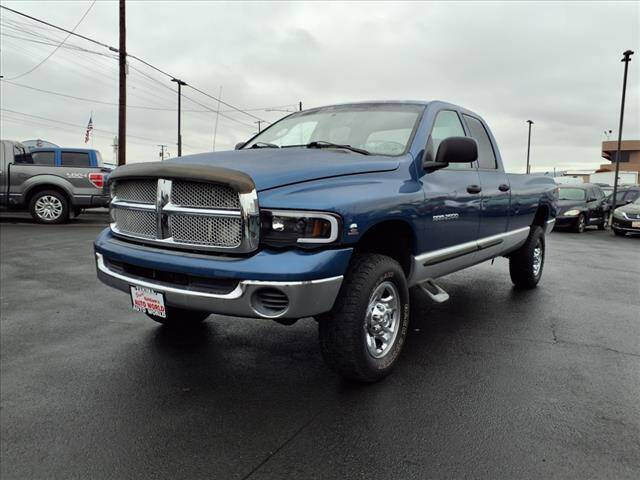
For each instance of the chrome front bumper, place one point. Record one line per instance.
(306, 298)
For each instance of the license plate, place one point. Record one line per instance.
(149, 301)
(635, 224)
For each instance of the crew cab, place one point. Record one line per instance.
(51, 183)
(332, 213)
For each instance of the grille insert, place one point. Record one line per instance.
(137, 191)
(203, 195)
(141, 223)
(206, 230)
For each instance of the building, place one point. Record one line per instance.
(629, 156)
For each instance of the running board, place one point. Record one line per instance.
(436, 293)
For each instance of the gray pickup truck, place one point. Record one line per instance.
(51, 183)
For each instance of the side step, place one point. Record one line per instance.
(436, 293)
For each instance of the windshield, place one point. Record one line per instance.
(636, 201)
(381, 129)
(572, 194)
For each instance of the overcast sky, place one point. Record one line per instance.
(555, 63)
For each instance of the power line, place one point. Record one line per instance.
(61, 43)
(113, 49)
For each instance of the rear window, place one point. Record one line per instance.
(486, 157)
(75, 159)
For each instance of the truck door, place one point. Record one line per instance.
(494, 216)
(451, 212)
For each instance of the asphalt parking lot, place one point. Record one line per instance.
(495, 383)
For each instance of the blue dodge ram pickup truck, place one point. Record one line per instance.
(332, 213)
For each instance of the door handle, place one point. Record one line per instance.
(504, 187)
(474, 188)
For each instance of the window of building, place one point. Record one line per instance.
(486, 155)
(75, 159)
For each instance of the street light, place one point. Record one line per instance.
(530, 122)
(180, 84)
(626, 58)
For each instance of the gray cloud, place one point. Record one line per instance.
(556, 63)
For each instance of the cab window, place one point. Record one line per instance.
(44, 158)
(447, 125)
(486, 155)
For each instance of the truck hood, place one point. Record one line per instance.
(271, 167)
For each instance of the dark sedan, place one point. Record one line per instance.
(581, 205)
(626, 219)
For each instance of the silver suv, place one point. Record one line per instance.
(51, 183)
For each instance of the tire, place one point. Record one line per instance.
(49, 206)
(352, 342)
(180, 317)
(526, 263)
(77, 211)
(619, 233)
(581, 223)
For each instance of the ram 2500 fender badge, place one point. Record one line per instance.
(446, 216)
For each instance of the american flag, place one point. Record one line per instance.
(89, 129)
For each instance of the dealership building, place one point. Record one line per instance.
(629, 156)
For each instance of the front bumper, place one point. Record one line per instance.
(625, 225)
(564, 222)
(309, 280)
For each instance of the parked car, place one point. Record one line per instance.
(51, 183)
(626, 219)
(625, 194)
(331, 213)
(581, 205)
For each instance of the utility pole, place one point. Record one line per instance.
(162, 150)
(180, 84)
(122, 103)
(626, 59)
(300, 106)
(259, 122)
(530, 122)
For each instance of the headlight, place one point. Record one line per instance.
(292, 227)
(619, 214)
(571, 213)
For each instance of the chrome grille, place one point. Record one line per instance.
(136, 191)
(188, 214)
(203, 195)
(206, 230)
(140, 223)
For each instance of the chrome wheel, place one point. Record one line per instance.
(537, 259)
(382, 319)
(581, 223)
(48, 208)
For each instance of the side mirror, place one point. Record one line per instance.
(457, 150)
(239, 145)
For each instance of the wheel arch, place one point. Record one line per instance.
(394, 238)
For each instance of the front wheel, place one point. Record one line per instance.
(619, 233)
(180, 317)
(581, 223)
(526, 263)
(362, 337)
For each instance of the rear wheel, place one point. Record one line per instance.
(603, 224)
(581, 223)
(619, 233)
(49, 206)
(180, 317)
(526, 263)
(362, 337)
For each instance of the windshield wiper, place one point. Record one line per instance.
(264, 145)
(323, 144)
